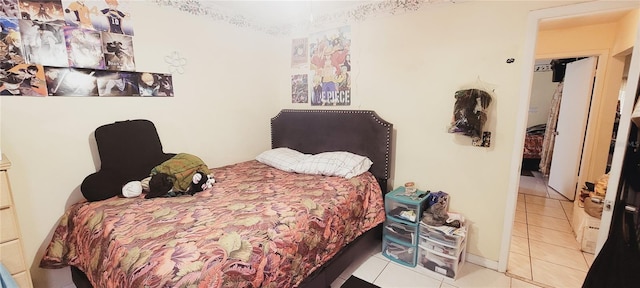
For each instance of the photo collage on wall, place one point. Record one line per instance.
(327, 55)
(72, 48)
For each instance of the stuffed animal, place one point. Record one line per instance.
(200, 182)
(436, 214)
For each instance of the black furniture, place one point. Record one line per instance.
(128, 151)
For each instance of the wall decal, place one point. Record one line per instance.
(176, 62)
(357, 14)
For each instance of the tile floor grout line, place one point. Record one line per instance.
(381, 271)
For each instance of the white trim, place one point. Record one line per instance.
(481, 261)
(622, 139)
(525, 93)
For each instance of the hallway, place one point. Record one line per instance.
(544, 249)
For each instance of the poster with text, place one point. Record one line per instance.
(299, 88)
(84, 48)
(330, 66)
(43, 43)
(23, 80)
(64, 81)
(118, 52)
(117, 83)
(299, 52)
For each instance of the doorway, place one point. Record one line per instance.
(566, 13)
(543, 242)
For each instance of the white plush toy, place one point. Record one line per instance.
(201, 182)
(132, 189)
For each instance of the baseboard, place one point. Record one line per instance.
(481, 261)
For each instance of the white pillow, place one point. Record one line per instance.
(343, 164)
(282, 158)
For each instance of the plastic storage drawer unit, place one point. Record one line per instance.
(401, 231)
(440, 237)
(399, 252)
(446, 265)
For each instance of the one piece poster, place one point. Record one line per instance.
(43, 43)
(331, 67)
(299, 88)
(42, 11)
(63, 81)
(114, 17)
(117, 83)
(10, 44)
(299, 52)
(155, 84)
(118, 52)
(10, 9)
(84, 48)
(82, 14)
(24, 80)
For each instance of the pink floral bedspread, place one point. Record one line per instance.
(257, 227)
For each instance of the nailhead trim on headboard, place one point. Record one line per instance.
(388, 129)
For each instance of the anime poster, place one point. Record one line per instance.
(118, 52)
(299, 89)
(299, 52)
(9, 9)
(117, 83)
(43, 11)
(10, 44)
(84, 48)
(330, 67)
(113, 17)
(155, 84)
(24, 80)
(70, 81)
(81, 13)
(43, 43)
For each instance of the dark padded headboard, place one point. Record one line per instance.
(361, 132)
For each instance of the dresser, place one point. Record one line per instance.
(11, 246)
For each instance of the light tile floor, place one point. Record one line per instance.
(544, 252)
(544, 249)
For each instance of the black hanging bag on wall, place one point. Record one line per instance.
(618, 263)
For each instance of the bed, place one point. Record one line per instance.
(532, 151)
(258, 226)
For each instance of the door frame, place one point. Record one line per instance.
(528, 58)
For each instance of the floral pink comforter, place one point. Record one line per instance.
(257, 227)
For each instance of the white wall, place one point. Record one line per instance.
(220, 112)
(407, 68)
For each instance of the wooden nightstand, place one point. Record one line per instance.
(11, 247)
